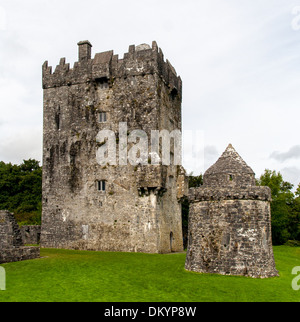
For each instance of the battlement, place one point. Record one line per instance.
(212, 194)
(140, 60)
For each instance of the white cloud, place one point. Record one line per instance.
(292, 175)
(22, 145)
(292, 153)
(2, 18)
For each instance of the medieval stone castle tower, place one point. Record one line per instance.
(134, 208)
(137, 207)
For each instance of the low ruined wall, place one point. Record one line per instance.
(12, 247)
(17, 254)
(31, 234)
(10, 235)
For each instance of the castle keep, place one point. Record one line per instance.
(230, 222)
(133, 208)
(136, 207)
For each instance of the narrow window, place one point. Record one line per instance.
(102, 117)
(230, 177)
(57, 118)
(57, 121)
(174, 93)
(171, 158)
(101, 185)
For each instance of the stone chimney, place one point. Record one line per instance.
(84, 50)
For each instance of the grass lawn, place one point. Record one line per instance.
(63, 275)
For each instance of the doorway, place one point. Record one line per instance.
(171, 241)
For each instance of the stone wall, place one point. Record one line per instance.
(10, 235)
(31, 234)
(12, 247)
(17, 254)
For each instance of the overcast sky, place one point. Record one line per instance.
(239, 61)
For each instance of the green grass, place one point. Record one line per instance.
(63, 275)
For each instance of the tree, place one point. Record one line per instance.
(195, 181)
(21, 190)
(295, 217)
(297, 192)
(283, 207)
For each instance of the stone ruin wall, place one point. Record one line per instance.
(12, 247)
(31, 234)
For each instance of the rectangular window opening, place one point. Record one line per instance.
(171, 158)
(101, 185)
(102, 117)
(57, 121)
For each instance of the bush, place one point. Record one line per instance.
(293, 243)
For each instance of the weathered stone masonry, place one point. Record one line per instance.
(230, 222)
(137, 208)
(12, 247)
(140, 209)
(31, 234)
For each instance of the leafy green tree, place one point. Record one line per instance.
(295, 217)
(297, 192)
(21, 190)
(283, 211)
(195, 181)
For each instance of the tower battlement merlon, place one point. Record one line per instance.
(140, 60)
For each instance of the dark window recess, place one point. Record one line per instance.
(230, 177)
(57, 120)
(171, 158)
(174, 93)
(101, 185)
(102, 117)
(102, 82)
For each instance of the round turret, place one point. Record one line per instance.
(230, 222)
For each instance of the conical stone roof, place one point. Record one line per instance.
(229, 170)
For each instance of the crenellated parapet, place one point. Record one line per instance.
(213, 194)
(139, 61)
